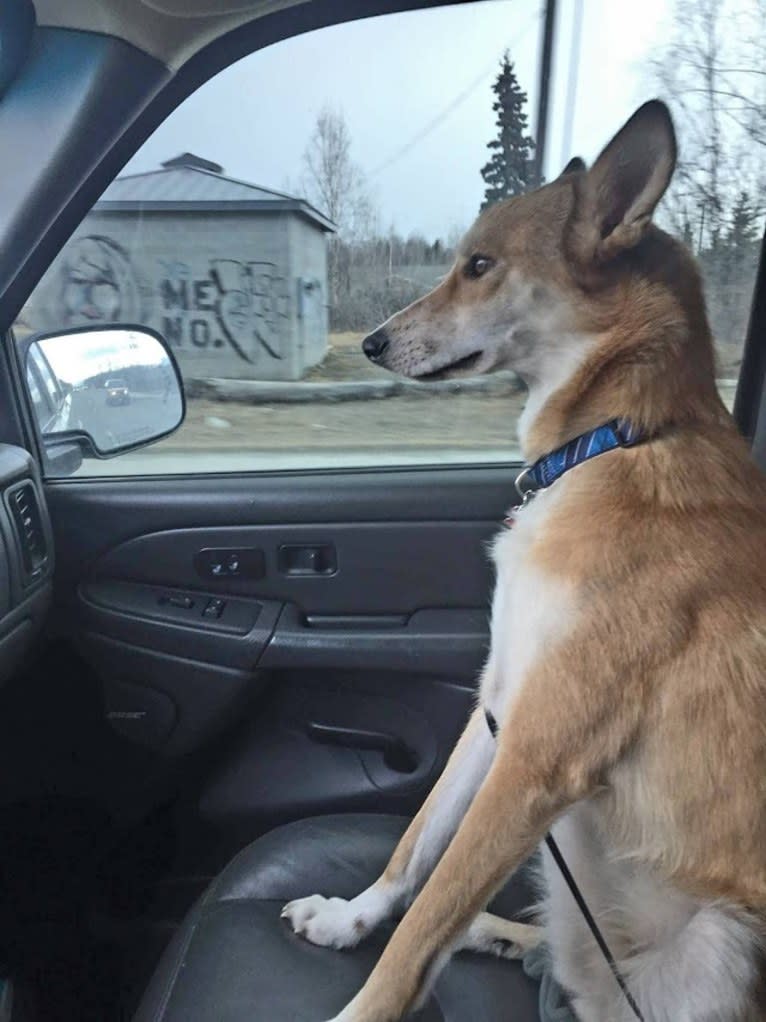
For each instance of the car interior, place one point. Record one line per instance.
(220, 689)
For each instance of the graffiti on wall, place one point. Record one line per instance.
(243, 306)
(98, 283)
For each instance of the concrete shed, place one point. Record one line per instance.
(233, 275)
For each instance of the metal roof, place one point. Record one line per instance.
(189, 187)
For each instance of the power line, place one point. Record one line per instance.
(451, 106)
(435, 122)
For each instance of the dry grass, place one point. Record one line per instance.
(344, 361)
(345, 339)
(449, 421)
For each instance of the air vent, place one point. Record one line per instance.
(25, 512)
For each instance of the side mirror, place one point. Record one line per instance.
(111, 389)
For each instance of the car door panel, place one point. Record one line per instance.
(274, 771)
(397, 559)
(314, 691)
(26, 556)
(451, 641)
(170, 703)
(143, 616)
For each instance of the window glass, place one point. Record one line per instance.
(314, 188)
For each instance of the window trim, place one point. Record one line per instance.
(749, 412)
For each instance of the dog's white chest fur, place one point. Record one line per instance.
(531, 609)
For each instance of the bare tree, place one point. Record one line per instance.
(336, 185)
(371, 272)
(711, 72)
(333, 181)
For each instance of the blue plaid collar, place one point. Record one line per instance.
(549, 468)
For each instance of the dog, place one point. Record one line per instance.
(627, 664)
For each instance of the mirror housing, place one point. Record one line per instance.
(109, 389)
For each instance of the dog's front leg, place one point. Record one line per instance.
(554, 748)
(506, 821)
(338, 923)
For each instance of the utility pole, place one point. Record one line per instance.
(574, 74)
(544, 89)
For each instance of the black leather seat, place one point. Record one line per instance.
(235, 960)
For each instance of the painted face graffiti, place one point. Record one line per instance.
(98, 284)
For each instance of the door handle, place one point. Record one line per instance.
(307, 559)
(397, 755)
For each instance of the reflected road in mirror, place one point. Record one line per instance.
(116, 385)
(116, 425)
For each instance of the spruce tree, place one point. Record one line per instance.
(509, 171)
(743, 229)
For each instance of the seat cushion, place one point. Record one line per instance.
(234, 960)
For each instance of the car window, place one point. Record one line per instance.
(306, 193)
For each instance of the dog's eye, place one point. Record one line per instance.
(477, 266)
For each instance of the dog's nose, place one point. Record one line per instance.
(375, 345)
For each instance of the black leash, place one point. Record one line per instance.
(571, 883)
(593, 926)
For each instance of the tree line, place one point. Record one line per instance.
(709, 70)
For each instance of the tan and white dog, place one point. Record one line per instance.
(627, 668)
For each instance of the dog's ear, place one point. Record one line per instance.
(621, 190)
(575, 165)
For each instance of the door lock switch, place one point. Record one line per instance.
(228, 563)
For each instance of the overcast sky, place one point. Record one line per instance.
(76, 357)
(415, 89)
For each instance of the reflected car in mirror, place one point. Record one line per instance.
(117, 392)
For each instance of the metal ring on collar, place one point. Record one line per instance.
(523, 477)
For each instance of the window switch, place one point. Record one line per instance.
(177, 600)
(214, 607)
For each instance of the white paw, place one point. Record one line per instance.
(329, 922)
(502, 938)
(501, 947)
(349, 1013)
